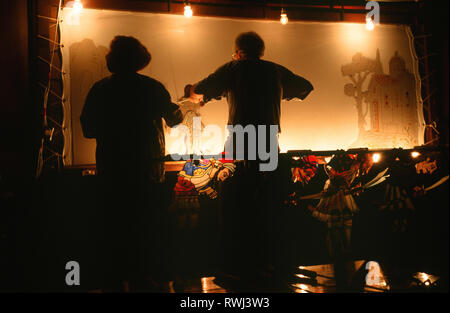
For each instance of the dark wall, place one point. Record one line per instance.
(436, 20)
(15, 90)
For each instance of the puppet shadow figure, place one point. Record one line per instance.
(87, 65)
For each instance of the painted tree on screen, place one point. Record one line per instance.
(358, 71)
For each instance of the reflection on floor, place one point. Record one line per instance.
(313, 279)
(202, 285)
(320, 278)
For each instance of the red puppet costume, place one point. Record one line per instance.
(337, 205)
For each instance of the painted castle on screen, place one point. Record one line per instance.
(388, 114)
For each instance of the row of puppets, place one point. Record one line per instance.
(329, 187)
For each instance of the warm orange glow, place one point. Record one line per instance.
(75, 5)
(354, 37)
(415, 154)
(209, 286)
(424, 276)
(73, 17)
(301, 276)
(301, 288)
(376, 157)
(325, 120)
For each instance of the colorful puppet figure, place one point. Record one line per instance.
(337, 205)
(409, 176)
(305, 170)
(197, 181)
(194, 181)
(203, 177)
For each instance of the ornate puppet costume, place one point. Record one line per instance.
(337, 205)
(397, 204)
(199, 179)
(196, 180)
(305, 170)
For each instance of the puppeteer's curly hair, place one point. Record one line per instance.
(251, 43)
(127, 54)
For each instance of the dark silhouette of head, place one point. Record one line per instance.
(251, 44)
(127, 55)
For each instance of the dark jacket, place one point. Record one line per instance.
(254, 89)
(124, 112)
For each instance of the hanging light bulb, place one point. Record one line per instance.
(415, 154)
(73, 16)
(283, 17)
(369, 24)
(77, 6)
(187, 10)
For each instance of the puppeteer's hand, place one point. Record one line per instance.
(193, 97)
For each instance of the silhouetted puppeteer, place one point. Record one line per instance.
(254, 89)
(124, 113)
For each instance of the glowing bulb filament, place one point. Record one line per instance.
(77, 6)
(73, 16)
(376, 157)
(284, 19)
(369, 24)
(187, 11)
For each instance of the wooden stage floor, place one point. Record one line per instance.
(308, 279)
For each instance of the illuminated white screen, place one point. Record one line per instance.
(187, 50)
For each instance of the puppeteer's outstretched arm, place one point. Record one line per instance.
(170, 111)
(212, 87)
(190, 93)
(294, 86)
